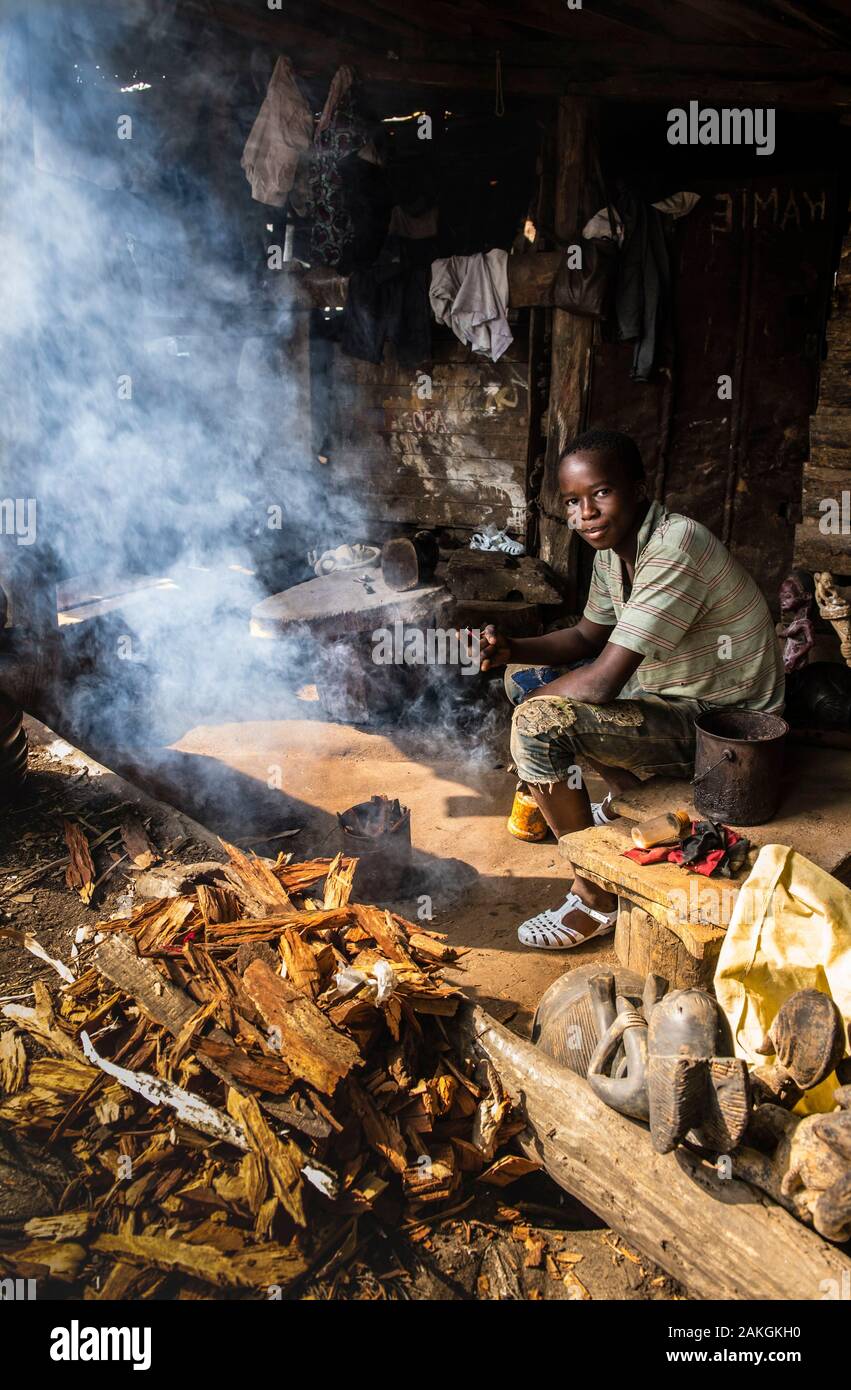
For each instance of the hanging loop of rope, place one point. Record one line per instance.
(499, 103)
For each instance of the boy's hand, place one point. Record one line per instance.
(495, 648)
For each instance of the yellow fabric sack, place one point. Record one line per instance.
(790, 930)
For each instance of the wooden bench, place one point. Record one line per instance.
(672, 921)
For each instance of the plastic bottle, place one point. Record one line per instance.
(662, 830)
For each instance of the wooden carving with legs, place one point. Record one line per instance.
(836, 610)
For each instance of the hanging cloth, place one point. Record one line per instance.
(282, 132)
(347, 200)
(470, 294)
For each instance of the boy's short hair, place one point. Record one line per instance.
(622, 446)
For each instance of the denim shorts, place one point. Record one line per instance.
(648, 735)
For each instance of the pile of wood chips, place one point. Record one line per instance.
(238, 1076)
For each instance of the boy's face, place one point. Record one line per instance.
(602, 502)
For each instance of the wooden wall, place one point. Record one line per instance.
(819, 542)
(455, 458)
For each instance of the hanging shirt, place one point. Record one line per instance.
(694, 614)
(470, 293)
(282, 131)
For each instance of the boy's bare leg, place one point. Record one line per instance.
(617, 779)
(566, 809)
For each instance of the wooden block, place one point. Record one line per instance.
(642, 944)
(690, 905)
(817, 551)
(485, 575)
(830, 437)
(514, 619)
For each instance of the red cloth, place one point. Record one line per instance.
(673, 854)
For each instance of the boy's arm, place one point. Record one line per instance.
(598, 683)
(585, 639)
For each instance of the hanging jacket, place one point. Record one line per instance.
(282, 132)
(643, 281)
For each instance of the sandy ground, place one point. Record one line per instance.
(480, 880)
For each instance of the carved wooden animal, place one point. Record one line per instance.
(807, 1038)
(684, 1082)
(695, 1091)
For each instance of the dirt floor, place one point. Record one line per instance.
(480, 882)
(477, 881)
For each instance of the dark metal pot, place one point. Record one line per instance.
(378, 834)
(738, 765)
(13, 750)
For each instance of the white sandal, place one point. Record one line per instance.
(546, 931)
(600, 810)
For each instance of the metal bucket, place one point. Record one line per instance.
(738, 764)
(13, 750)
(378, 834)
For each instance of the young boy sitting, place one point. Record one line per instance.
(673, 626)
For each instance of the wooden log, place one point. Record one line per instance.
(830, 437)
(514, 619)
(815, 550)
(720, 1238)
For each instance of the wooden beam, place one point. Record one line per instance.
(572, 337)
(756, 24)
(720, 1238)
(538, 66)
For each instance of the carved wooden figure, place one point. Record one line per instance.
(836, 610)
(696, 1089)
(803, 1163)
(795, 626)
(807, 1038)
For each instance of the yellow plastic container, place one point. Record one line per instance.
(526, 821)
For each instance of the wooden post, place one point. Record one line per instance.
(572, 336)
(719, 1236)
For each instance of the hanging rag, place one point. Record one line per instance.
(470, 294)
(282, 132)
(710, 849)
(340, 84)
(642, 281)
(790, 929)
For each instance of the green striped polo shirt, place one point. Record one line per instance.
(694, 614)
